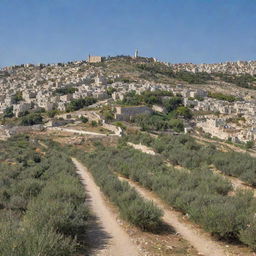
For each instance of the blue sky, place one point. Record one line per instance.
(199, 31)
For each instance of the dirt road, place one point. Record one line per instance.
(119, 243)
(204, 244)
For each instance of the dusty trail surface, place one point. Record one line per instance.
(119, 243)
(202, 243)
(142, 148)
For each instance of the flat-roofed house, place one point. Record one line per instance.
(127, 113)
(94, 59)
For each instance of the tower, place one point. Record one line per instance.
(136, 54)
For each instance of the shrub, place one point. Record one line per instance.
(80, 103)
(42, 203)
(94, 123)
(8, 112)
(132, 206)
(84, 119)
(31, 119)
(198, 192)
(52, 113)
(248, 235)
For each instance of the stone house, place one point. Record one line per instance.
(127, 113)
(94, 59)
(20, 108)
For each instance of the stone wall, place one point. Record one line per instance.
(117, 130)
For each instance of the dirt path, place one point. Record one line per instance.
(203, 243)
(150, 151)
(119, 243)
(42, 144)
(80, 132)
(143, 148)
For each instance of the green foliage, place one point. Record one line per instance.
(94, 123)
(198, 192)
(240, 165)
(228, 218)
(84, 119)
(8, 112)
(176, 125)
(80, 103)
(193, 78)
(131, 98)
(183, 112)
(183, 150)
(146, 97)
(132, 206)
(221, 96)
(172, 103)
(110, 90)
(42, 210)
(248, 235)
(159, 122)
(17, 97)
(33, 242)
(31, 119)
(125, 80)
(249, 144)
(52, 113)
(64, 91)
(120, 124)
(199, 98)
(154, 69)
(107, 113)
(242, 80)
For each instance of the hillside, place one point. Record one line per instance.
(94, 160)
(127, 69)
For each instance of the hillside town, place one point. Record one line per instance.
(31, 88)
(238, 67)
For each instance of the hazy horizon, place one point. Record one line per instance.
(75, 60)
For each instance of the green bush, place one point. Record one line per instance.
(242, 80)
(42, 203)
(198, 192)
(185, 151)
(248, 235)
(132, 206)
(221, 96)
(31, 119)
(8, 112)
(84, 119)
(77, 104)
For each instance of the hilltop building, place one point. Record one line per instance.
(94, 59)
(136, 54)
